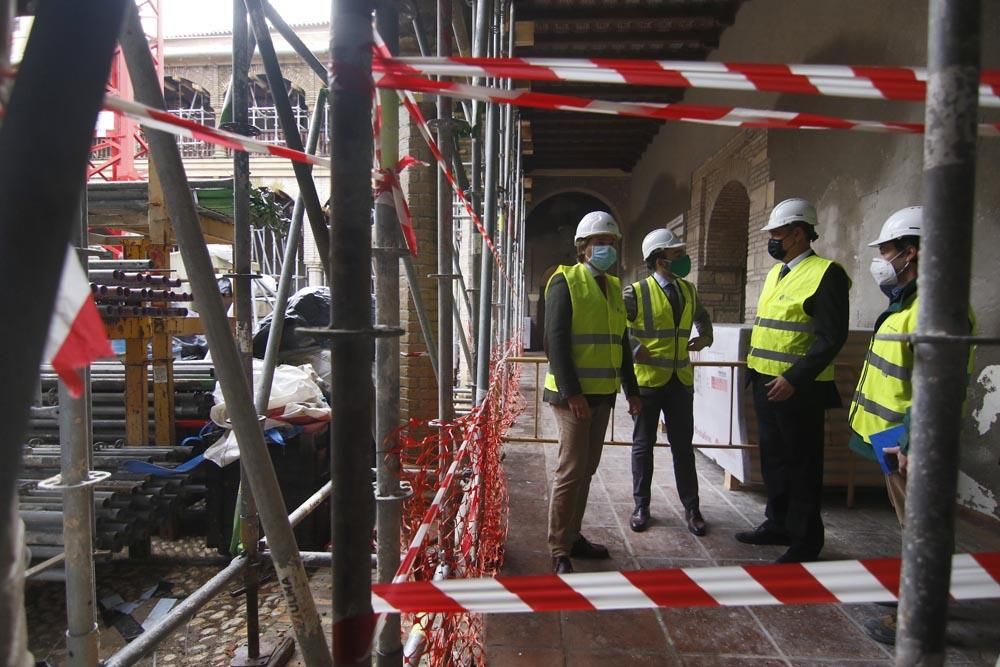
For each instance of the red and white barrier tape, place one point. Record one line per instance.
(973, 576)
(387, 183)
(703, 114)
(886, 83)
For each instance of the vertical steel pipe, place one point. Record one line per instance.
(482, 15)
(486, 276)
(249, 528)
(445, 235)
(940, 377)
(289, 128)
(350, 269)
(78, 505)
(388, 508)
(45, 141)
(263, 481)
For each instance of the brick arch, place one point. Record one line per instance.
(576, 191)
(723, 273)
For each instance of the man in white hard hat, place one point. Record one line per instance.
(589, 361)
(661, 311)
(881, 405)
(801, 324)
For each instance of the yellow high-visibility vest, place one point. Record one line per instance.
(596, 330)
(885, 389)
(783, 331)
(654, 328)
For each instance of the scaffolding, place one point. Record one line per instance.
(42, 118)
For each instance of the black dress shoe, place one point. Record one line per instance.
(794, 555)
(882, 630)
(584, 548)
(639, 520)
(763, 534)
(562, 565)
(696, 524)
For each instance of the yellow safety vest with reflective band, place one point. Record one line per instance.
(783, 332)
(654, 328)
(885, 389)
(596, 331)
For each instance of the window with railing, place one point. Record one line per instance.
(190, 101)
(264, 113)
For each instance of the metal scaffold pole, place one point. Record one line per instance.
(486, 275)
(228, 366)
(386, 250)
(82, 636)
(940, 376)
(50, 115)
(445, 236)
(350, 266)
(249, 527)
(289, 128)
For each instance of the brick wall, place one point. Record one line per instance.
(418, 388)
(731, 196)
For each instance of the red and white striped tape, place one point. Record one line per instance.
(702, 114)
(158, 119)
(418, 117)
(973, 576)
(886, 83)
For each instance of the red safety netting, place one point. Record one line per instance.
(455, 523)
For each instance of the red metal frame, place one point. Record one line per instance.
(113, 155)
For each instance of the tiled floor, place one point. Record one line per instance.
(759, 636)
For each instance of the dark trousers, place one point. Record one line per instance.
(791, 461)
(675, 401)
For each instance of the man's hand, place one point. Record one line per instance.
(779, 389)
(634, 405)
(642, 355)
(698, 343)
(578, 406)
(900, 456)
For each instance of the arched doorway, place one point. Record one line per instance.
(722, 278)
(550, 228)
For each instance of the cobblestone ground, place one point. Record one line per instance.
(210, 638)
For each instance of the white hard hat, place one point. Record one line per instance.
(908, 221)
(791, 210)
(596, 223)
(659, 239)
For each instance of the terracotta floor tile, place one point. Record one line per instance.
(635, 630)
(504, 656)
(816, 632)
(524, 630)
(717, 630)
(730, 661)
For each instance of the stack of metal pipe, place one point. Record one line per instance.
(120, 293)
(194, 382)
(128, 507)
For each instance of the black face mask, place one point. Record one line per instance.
(776, 248)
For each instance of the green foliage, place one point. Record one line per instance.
(269, 210)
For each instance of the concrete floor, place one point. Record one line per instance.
(762, 636)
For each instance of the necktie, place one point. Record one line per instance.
(675, 305)
(602, 282)
(784, 271)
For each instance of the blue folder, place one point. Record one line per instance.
(887, 438)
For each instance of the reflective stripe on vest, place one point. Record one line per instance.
(783, 332)
(595, 332)
(653, 327)
(885, 389)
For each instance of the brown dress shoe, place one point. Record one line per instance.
(695, 522)
(562, 565)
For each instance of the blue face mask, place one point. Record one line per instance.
(603, 257)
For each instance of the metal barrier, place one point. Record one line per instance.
(537, 438)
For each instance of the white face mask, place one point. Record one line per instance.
(883, 272)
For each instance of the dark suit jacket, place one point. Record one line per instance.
(558, 349)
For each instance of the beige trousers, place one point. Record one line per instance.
(580, 445)
(895, 484)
